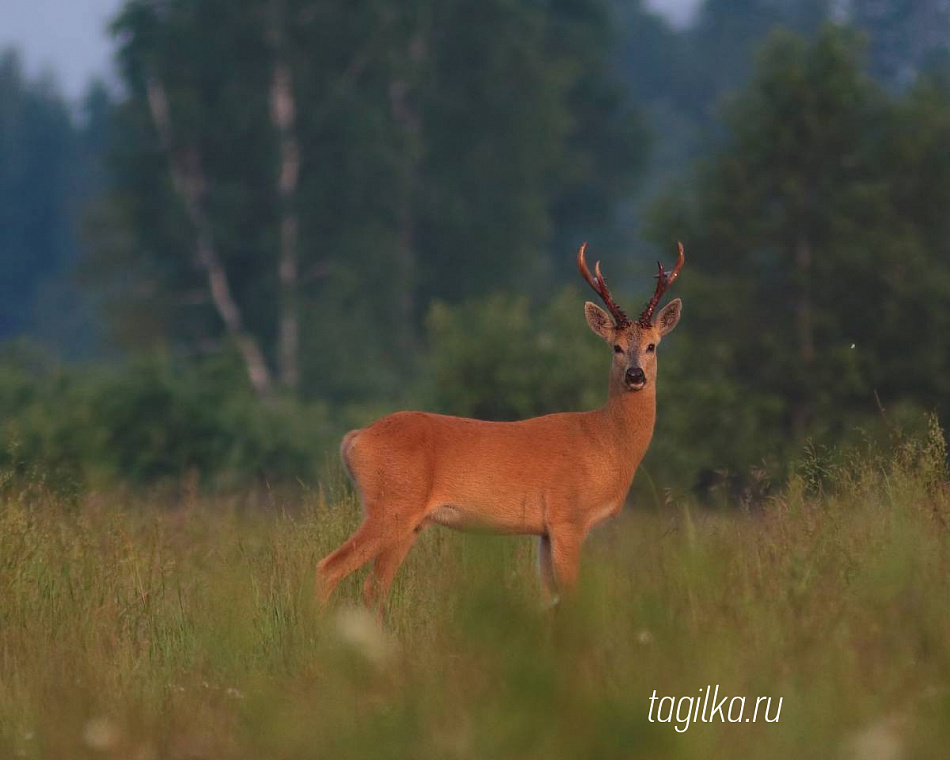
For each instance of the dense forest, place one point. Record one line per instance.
(293, 216)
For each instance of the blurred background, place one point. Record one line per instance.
(232, 229)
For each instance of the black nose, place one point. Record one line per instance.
(635, 376)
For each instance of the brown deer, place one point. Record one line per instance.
(555, 476)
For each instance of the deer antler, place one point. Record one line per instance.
(596, 281)
(663, 280)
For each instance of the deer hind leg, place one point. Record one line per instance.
(378, 582)
(393, 502)
(387, 527)
(358, 549)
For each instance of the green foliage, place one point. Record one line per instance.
(723, 41)
(907, 37)
(131, 630)
(36, 154)
(46, 170)
(160, 422)
(816, 286)
(682, 77)
(150, 422)
(501, 358)
(453, 154)
(434, 150)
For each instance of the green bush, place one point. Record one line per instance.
(500, 358)
(152, 420)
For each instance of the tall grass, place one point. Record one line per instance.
(134, 631)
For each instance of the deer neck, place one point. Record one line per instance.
(631, 417)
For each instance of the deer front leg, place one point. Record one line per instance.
(565, 549)
(546, 569)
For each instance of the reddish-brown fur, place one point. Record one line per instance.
(555, 476)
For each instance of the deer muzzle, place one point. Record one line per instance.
(634, 378)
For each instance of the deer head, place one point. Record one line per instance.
(634, 343)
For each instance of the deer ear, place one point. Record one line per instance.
(599, 321)
(669, 316)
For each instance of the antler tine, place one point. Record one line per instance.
(663, 280)
(585, 272)
(599, 286)
(680, 260)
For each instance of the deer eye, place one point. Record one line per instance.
(618, 350)
(651, 348)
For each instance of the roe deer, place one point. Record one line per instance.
(554, 476)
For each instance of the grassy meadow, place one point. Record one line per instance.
(132, 627)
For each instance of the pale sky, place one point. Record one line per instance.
(68, 37)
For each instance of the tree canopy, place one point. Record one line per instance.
(820, 290)
(429, 156)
